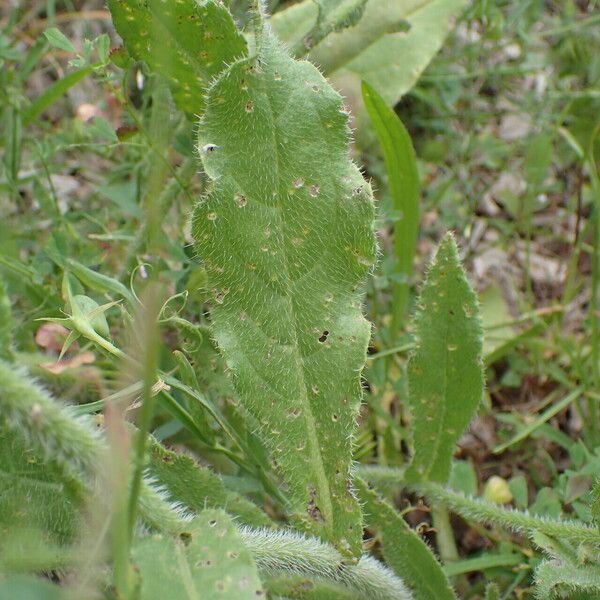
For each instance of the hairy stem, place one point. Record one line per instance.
(258, 22)
(283, 552)
(71, 442)
(486, 512)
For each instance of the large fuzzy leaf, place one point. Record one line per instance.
(286, 237)
(445, 372)
(389, 47)
(404, 551)
(210, 561)
(186, 41)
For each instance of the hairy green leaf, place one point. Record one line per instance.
(389, 47)
(404, 551)
(286, 237)
(33, 493)
(209, 561)
(558, 580)
(198, 488)
(445, 370)
(403, 179)
(186, 41)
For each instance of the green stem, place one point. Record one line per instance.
(444, 534)
(150, 345)
(482, 511)
(520, 522)
(287, 553)
(258, 22)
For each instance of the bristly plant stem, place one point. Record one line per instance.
(258, 22)
(482, 511)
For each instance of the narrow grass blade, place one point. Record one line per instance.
(554, 409)
(403, 178)
(58, 89)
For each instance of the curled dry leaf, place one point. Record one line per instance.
(85, 358)
(52, 336)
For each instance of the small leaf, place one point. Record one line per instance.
(209, 561)
(404, 551)
(100, 282)
(445, 371)
(403, 179)
(57, 39)
(199, 488)
(103, 47)
(188, 42)
(100, 129)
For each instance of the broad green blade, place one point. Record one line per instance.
(404, 551)
(445, 372)
(403, 179)
(199, 488)
(186, 41)
(286, 237)
(210, 562)
(389, 47)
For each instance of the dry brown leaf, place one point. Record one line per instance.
(85, 358)
(52, 336)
